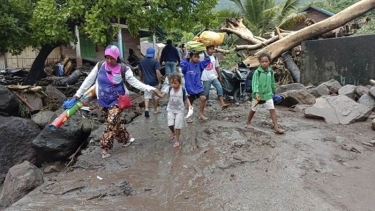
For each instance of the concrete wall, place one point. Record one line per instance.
(350, 60)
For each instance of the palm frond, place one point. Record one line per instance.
(240, 5)
(292, 20)
(288, 6)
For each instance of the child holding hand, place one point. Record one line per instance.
(176, 106)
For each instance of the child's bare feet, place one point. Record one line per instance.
(189, 120)
(176, 144)
(201, 117)
(171, 137)
(249, 126)
(105, 154)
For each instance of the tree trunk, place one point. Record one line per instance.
(70, 80)
(292, 67)
(37, 68)
(295, 38)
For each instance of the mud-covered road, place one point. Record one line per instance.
(222, 166)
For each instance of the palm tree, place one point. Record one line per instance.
(263, 15)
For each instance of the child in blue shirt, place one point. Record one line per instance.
(192, 69)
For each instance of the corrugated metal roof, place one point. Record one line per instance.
(326, 12)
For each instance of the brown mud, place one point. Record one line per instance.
(221, 166)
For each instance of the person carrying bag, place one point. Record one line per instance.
(110, 78)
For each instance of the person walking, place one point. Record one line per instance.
(171, 57)
(192, 70)
(264, 87)
(176, 106)
(149, 74)
(109, 77)
(211, 75)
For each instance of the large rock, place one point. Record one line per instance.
(43, 118)
(361, 90)
(20, 180)
(53, 92)
(289, 87)
(9, 104)
(60, 144)
(16, 139)
(372, 91)
(367, 100)
(294, 97)
(34, 100)
(348, 90)
(319, 91)
(333, 86)
(338, 110)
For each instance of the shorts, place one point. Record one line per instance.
(192, 97)
(267, 105)
(148, 95)
(176, 119)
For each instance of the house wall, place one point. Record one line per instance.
(349, 60)
(311, 14)
(27, 57)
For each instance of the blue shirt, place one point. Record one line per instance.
(192, 74)
(148, 66)
(108, 92)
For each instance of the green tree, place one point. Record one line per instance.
(263, 15)
(14, 23)
(51, 23)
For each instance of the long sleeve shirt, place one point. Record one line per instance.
(192, 74)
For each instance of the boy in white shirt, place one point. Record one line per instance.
(211, 76)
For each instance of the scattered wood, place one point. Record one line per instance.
(70, 80)
(26, 88)
(23, 100)
(73, 157)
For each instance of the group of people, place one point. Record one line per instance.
(200, 71)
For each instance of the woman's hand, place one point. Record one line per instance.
(157, 93)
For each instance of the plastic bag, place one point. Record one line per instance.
(194, 46)
(209, 38)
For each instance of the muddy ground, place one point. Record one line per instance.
(222, 166)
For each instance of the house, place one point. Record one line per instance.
(313, 13)
(84, 48)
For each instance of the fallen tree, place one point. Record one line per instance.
(289, 40)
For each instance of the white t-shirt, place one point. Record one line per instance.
(176, 101)
(209, 73)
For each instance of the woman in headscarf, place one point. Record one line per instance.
(109, 85)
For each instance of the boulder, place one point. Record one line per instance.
(34, 100)
(367, 100)
(9, 104)
(289, 87)
(338, 109)
(20, 180)
(361, 90)
(96, 135)
(53, 92)
(372, 91)
(16, 139)
(333, 86)
(320, 90)
(60, 144)
(43, 118)
(348, 90)
(294, 97)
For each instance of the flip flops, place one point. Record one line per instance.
(129, 143)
